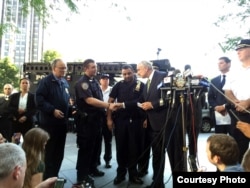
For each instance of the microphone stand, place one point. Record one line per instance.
(184, 146)
(181, 91)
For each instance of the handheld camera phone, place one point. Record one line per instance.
(59, 183)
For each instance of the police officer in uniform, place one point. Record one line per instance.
(127, 124)
(91, 109)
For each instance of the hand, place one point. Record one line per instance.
(22, 119)
(244, 128)
(145, 124)
(220, 108)
(48, 183)
(58, 114)
(241, 105)
(146, 106)
(115, 106)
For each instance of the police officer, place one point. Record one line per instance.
(127, 124)
(91, 109)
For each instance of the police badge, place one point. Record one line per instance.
(138, 86)
(66, 90)
(85, 86)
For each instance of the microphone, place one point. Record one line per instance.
(187, 73)
(168, 80)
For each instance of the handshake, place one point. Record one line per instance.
(115, 106)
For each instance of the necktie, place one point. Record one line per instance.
(6, 97)
(148, 84)
(223, 80)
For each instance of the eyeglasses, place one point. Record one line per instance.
(7, 88)
(62, 68)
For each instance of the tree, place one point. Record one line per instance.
(8, 73)
(50, 55)
(43, 9)
(239, 17)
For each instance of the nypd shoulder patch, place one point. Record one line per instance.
(85, 86)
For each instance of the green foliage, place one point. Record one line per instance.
(8, 73)
(45, 8)
(50, 55)
(6, 27)
(239, 17)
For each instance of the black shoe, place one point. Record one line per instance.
(108, 165)
(87, 181)
(83, 185)
(97, 173)
(136, 180)
(118, 180)
(142, 173)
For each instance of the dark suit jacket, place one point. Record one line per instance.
(214, 97)
(157, 116)
(4, 110)
(30, 110)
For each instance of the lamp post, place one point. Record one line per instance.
(158, 52)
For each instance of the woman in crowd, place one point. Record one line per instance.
(34, 145)
(22, 107)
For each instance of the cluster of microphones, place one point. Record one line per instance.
(186, 79)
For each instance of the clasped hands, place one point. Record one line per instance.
(146, 106)
(115, 106)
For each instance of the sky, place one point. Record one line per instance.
(182, 29)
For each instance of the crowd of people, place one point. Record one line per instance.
(127, 109)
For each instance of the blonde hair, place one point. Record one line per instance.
(34, 145)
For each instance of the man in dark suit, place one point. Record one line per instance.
(156, 118)
(5, 118)
(216, 98)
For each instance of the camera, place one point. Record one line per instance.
(60, 183)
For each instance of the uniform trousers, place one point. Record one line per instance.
(126, 137)
(54, 150)
(88, 141)
(107, 137)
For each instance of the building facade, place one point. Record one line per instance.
(25, 44)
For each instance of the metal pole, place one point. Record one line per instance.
(184, 147)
